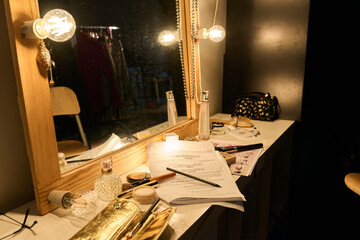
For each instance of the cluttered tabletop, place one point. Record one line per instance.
(179, 183)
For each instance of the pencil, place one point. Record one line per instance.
(193, 177)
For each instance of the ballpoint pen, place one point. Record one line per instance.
(239, 148)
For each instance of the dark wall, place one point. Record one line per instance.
(265, 51)
(328, 137)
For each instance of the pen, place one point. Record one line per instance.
(152, 183)
(239, 148)
(193, 177)
(143, 219)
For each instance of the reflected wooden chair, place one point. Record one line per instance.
(352, 181)
(65, 102)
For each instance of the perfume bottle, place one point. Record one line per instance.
(62, 161)
(108, 185)
(204, 118)
(171, 108)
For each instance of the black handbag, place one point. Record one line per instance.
(257, 106)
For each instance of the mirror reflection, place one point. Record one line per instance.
(111, 77)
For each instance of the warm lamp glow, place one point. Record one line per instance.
(60, 25)
(216, 33)
(57, 24)
(166, 38)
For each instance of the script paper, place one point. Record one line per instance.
(113, 143)
(195, 158)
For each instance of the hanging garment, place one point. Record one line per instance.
(94, 65)
(122, 74)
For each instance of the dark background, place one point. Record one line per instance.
(328, 137)
(320, 91)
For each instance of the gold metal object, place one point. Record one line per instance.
(119, 218)
(43, 56)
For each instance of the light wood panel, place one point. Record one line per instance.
(352, 181)
(33, 96)
(36, 112)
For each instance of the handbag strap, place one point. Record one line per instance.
(254, 94)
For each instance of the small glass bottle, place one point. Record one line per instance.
(62, 161)
(108, 185)
(204, 118)
(171, 108)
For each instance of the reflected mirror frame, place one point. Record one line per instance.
(125, 125)
(36, 113)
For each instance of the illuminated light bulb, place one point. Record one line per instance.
(166, 38)
(60, 25)
(216, 33)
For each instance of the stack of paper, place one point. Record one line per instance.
(195, 158)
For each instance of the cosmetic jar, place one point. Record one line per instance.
(144, 194)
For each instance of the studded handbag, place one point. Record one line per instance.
(257, 106)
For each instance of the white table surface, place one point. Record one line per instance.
(61, 224)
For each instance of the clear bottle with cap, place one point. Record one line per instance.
(204, 117)
(108, 185)
(171, 108)
(62, 161)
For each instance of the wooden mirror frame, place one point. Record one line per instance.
(36, 112)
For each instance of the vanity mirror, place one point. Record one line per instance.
(118, 70)
(36, 109)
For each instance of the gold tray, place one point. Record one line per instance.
(118, 219)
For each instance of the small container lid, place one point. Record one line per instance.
(170, 96)
(61, 156)
(106, 165)
(137, 176)
(204, 96)
(144, 194)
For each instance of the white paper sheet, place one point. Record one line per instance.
(194, 158)
(113, 143)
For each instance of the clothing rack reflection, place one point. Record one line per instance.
(108, 28)
(104, 69)
(99, 27)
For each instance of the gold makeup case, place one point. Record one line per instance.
(118, 219)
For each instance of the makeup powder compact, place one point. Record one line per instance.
(144, 194)
(137, 176)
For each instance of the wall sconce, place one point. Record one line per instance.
(166, 38)
(216, 33)
(57, 25)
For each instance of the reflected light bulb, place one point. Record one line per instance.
(60, 25)
(166, 38)
(216, 33)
